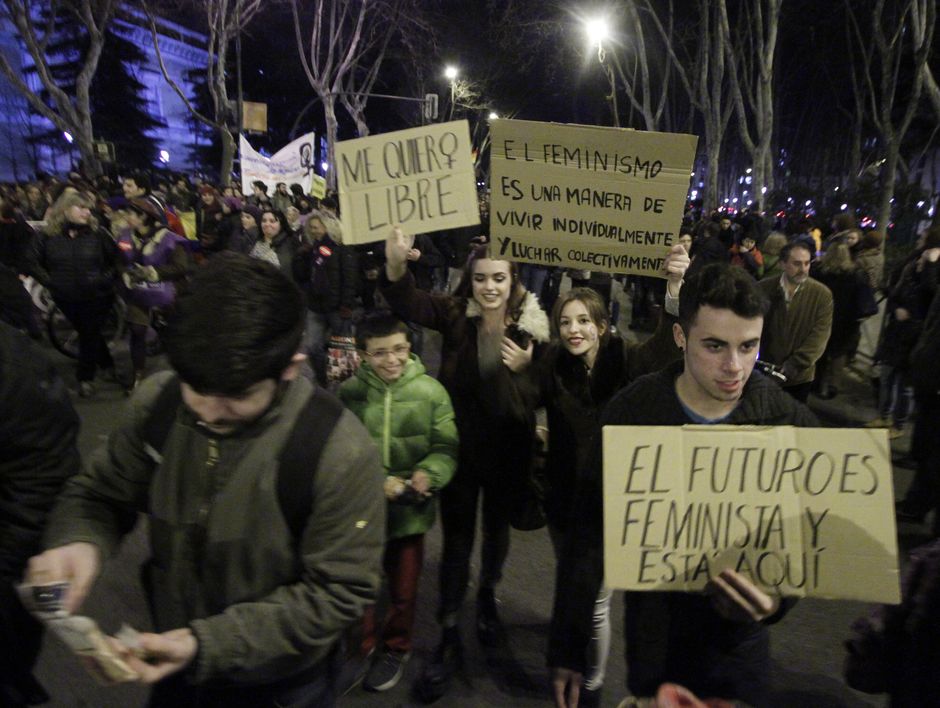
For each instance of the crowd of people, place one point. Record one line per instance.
(250, 601)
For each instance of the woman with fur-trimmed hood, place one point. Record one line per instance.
(491, 329)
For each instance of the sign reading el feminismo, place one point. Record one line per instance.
(607, 199)
(421, 179)
(799, 511)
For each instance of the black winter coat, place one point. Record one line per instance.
(38, 453)
(495, 416)
(913, 290)
(925, 373)
(707, 654)
(285, 245)
(16, 244)
(573, 400)
(79, 267)
(328, 274)
(845, 287)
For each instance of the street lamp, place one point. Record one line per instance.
(598, 31)
(493, 115)
(450, 73)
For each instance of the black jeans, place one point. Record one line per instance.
(313, 688)
(88, 317)
(459, 501)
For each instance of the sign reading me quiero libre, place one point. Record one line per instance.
(806, 512)
(421, 179)
(607, 199)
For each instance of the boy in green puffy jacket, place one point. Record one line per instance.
(410, 416)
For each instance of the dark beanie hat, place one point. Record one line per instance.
(254, 211)
(148, 206)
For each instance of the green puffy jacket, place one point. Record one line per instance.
(412, 421)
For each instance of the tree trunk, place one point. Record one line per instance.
(889, 173)
(855, 160)
(329, 112)
(713, 139)
(228, 156)
(91, 166)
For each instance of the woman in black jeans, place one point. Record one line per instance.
(77, 261)
(490, 329)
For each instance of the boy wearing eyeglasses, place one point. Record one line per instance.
(410, 416)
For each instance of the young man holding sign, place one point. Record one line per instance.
(713, 643)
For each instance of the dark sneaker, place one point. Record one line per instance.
(490, 629)
(436, 678)
(590, 698)
(386, 671)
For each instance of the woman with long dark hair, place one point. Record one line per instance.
(490, 328)
(586, 364)
(276, 244)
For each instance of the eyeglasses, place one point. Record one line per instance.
(399, 351)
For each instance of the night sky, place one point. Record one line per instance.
(535, 64)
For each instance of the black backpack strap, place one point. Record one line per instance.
(300, 458)
(162, 416)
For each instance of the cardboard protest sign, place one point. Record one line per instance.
(318, 187)
(293, 163)
(607, 199)
(421, 179)
(799, 511)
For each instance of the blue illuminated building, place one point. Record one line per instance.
(183, 50)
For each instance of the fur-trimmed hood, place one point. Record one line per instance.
(532, 319)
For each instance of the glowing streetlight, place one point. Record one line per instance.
(598, 30)
(493, 115)
(450, 73)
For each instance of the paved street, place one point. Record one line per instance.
(807, 645)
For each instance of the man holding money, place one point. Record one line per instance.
(265, 500)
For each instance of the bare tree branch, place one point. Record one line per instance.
(70, 113)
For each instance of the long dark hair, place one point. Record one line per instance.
(465, 286)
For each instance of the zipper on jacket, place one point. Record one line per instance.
(200, 530)
(387, 429)
(212, 459)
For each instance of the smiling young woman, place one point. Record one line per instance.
(585, 365)
(492, 328)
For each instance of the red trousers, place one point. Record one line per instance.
(402, 564)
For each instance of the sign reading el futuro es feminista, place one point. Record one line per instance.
(799, 511)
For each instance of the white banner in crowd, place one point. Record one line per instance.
(292, 163)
